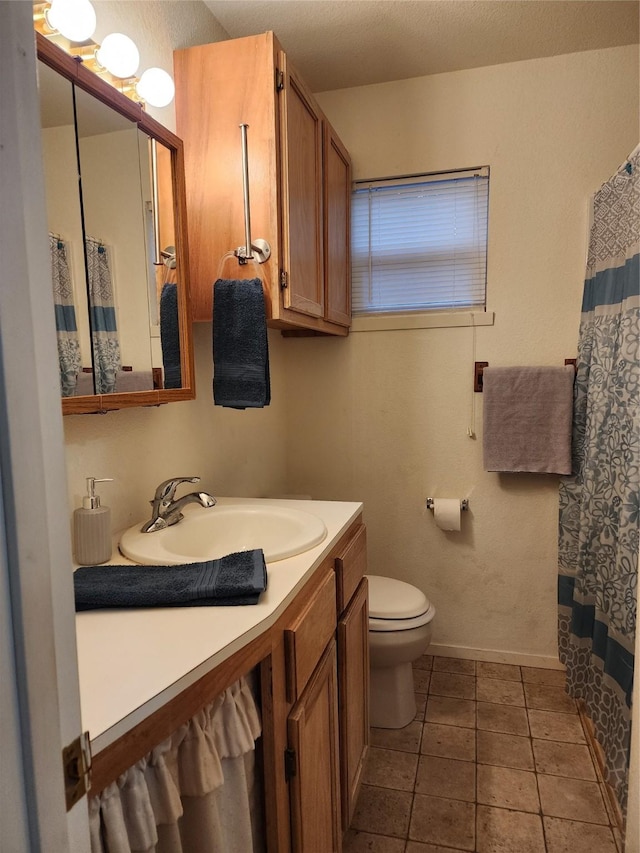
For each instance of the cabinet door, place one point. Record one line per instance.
(313, 743)
(353, 688)
(337, 234)
(218, 87)
(301, 139)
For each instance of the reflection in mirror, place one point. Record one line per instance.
(114, 192)
(65, 232)
(113, 200)
(166, 283)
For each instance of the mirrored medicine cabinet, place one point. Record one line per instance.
(114, 184)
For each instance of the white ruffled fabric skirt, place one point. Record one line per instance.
(197, 792)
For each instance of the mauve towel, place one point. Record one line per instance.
(235, 579)
(527, 418)
(240, 346)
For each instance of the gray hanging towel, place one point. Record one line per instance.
(240, 346)
(232, 580)
(527, 419)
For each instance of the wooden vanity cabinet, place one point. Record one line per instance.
(312, 758)
(353, 667)
(328, 726)
(353, 688)
(299, 181)
(314, 774)
(314, 688)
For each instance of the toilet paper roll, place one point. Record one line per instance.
(446, 512)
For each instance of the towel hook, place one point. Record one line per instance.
(258, 248)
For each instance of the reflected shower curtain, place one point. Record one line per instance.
(600, 502)
(104, 330)
(65, 313)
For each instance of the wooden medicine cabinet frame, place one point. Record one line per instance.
(81, 77)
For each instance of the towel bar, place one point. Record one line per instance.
(258, 248)
(479, 366)
(464, 504)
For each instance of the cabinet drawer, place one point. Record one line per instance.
(351, 565)
(307, 638)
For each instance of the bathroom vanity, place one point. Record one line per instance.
(143, 673)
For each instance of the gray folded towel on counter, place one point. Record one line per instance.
(240, 347)
(232, 580)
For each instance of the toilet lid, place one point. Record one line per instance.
(393, 599)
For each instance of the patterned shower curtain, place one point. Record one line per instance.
(65, 313)
(600, 502)
(104, 330)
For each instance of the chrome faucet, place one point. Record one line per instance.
(166, 510)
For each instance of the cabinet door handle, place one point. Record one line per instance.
(157, 260)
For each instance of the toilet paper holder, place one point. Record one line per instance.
(464, 504)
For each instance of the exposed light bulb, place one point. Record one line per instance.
(156, 87)
(119, 55)
(74, 19)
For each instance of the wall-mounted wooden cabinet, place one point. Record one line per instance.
(299, 181)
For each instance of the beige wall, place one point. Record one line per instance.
(63, 218)
(114, 212)
(235, 453)
(382, 416)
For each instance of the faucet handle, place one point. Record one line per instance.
(167, 489)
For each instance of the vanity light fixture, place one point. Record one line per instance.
(156, 87)
(71, 24)
(119, 55)
(74, 19)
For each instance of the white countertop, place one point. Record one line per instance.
(131, 662)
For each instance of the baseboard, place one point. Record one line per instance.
(611, 801)
(494, 656)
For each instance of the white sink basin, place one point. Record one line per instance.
(206, 534)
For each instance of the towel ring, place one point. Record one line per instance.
(232, 254)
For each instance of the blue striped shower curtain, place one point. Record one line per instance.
(600, 502)
(104, 329)
(65, 313)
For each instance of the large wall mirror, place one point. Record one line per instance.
(114, 180)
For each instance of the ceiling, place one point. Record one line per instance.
(337, 44)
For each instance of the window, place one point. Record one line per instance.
(420, 242)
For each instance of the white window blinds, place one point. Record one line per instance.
(419, 243)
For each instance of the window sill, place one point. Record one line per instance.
(421, 320)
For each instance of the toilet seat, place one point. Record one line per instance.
(397, 606)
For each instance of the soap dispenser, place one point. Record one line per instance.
(92, 527)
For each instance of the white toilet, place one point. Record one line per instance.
(399, 632)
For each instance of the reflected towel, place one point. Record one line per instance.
(170, 336)
(240, 346)
(527, 417)
(232, 580)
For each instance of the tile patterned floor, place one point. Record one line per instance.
(495, 761)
